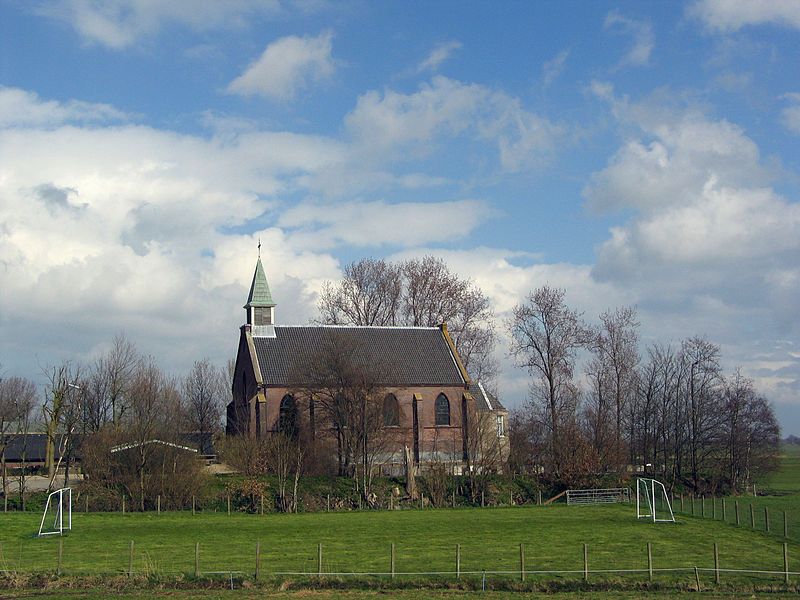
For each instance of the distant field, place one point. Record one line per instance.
(787, 477)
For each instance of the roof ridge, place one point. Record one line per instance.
(325, 326)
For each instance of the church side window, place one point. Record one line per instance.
(391, 411)
(287, 419)
(442, 410)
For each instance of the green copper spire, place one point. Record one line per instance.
(259, 289)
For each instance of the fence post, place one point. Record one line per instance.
(229, 504)
(130, 560)
(539, 500)
(682, 503)
(123, 504)
(262, 503)
(60, 555)
(193, 504)
(482, 499)
(716, 564)
(766, 519)
(692, 500)
(713, 508)
(650, 560)
(319, 559)
(328, 504)
(786, 563)
(391, 560)
(511, 497)
(586, 562)
(736, 510)
(703, 506)
(724, 512)
(86, 504)
(454, 498)
(752, 518)
(458, 561)
(158, 504)
(391, 502)
(785, 526)
(258, 560)
(197, 559)
(697, 578)
(522, 562)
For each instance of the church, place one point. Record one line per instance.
(429, 403)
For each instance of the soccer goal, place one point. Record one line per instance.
(59, 509)
(652, 501)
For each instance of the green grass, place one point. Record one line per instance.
(425, 543)
(787, 477)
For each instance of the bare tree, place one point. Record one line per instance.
(204, 394)
(59, 411)
(419, 292)
(109, 383)
(545, 336)
(17, 397)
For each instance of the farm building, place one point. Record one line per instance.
(429, 403)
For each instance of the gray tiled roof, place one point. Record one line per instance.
(405, 356)
(484, 400)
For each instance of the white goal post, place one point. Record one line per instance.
(652, 501)
(59, 506)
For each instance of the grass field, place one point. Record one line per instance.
(425, 541)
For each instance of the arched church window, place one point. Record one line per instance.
(442, 410)
(391, 411)
(287, 418)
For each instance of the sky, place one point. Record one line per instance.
(632, 153)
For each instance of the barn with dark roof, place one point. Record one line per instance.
(428, 397)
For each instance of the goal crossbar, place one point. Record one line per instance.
(61, 501)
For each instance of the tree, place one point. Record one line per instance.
(418, 292)
(109, 383)
(545, 336)
(17, 397)
(204, 395)
(348, 393)
(60, 410)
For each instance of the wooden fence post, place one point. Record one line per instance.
(586, 562)
(736, 510)
(697, 578)
(785, 526)
(716, 564)
(703, 506)
(682, 503)
(752, 517)
(60, 555)
(229, 504)
(319, 559)
(391, 560)
(766, 519)
(86, 504)
(193, 502)
(258, 560)
(713, 508)
(724, 512)
(197, 559)
(786, 563)
(522, 562)
(130, 560)
(539, 499)
(482, 499)
(511, 497)
(391, 502)
(123, 504)
(261, 500)
(458, 561)
(650, 560)
(454, 498)
(158, 504)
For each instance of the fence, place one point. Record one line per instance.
(598, 496)
(318, 566)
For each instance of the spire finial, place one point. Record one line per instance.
(259, 248)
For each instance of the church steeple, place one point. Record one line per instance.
(260, 306)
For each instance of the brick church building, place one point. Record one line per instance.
(429, 403)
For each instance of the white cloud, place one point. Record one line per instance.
(790, 116)
(553, 67)
(119, 24)
(287, 66)
(643, 38)
(394, 124)
(438, 55)
(374, 224)
(22, 108)
(728, 16)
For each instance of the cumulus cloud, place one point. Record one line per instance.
(375, 224)
(727, 16)
(22, 108)
(287, 66)
(643, 38)
(118, 24)
(392, 123)
(438, 55)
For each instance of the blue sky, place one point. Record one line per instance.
(635, 153)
